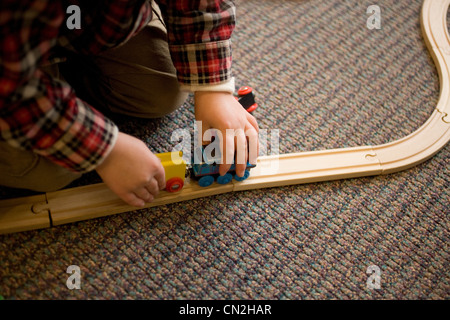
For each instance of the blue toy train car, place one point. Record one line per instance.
(206, 173)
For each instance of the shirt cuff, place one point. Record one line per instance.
(200, 64)
(227, 86)
(114, 136)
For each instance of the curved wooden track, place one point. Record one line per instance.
(70, 205)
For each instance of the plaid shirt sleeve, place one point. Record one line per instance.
(43, 114)
(199, 35)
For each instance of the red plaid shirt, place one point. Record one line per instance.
(43, 114)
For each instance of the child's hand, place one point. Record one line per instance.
(221, 111)
(132, 171)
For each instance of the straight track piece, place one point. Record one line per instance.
(22, 214)
(97, 200)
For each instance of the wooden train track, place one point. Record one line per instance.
(93, 201)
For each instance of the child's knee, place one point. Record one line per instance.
(48, 177)
(26, 170)
(145, 95)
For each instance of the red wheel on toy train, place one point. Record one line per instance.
(252, 108)
(244, 90)
(174, 184)
(246, 98)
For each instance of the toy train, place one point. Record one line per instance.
(205, 174)
(176, 171)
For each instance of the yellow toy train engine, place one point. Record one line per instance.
(175, 169)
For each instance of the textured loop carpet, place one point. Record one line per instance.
(326, 81)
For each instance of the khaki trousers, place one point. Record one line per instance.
(136, 79)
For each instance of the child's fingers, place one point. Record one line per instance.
(153, 187)
(227, 155)
(131, 199)
(143, 194)
(253, 121)
(253, 144)
(241, 152)
(160, 177)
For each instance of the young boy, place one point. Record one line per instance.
(127, 56)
